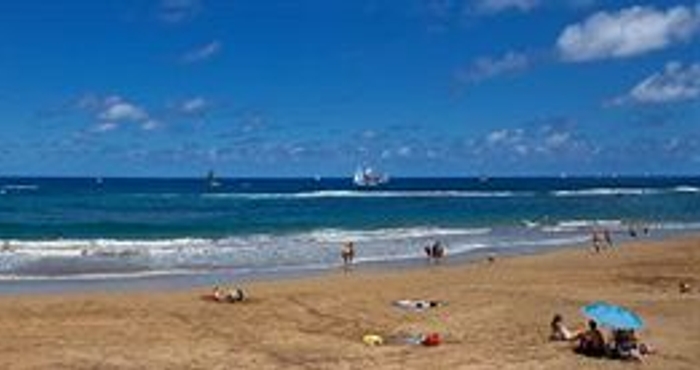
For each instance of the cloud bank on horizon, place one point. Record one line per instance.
(424, 88)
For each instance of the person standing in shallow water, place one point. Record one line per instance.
(607, 236)
(596, 240)
(348, 253)
(434, 251)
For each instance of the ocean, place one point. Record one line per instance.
(80, 230)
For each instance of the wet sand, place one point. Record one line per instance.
(497, 317)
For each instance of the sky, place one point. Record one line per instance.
(318, 88)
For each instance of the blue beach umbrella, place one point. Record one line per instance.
(612, 316)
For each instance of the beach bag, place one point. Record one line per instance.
(431, 340)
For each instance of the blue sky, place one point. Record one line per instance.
(316, 87)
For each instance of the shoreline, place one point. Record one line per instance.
(191, 280)
(497, 316)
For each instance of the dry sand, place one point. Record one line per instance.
(497, 317)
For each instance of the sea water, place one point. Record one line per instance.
(85, 229)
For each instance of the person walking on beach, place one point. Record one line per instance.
(438, 251)
(597, 240)
(348, 253)
(608, 238)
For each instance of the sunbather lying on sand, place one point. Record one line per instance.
(417, 305)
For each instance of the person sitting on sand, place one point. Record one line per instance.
(626, 346)
(235, 295)
(559, 331)
(348, 253)
(591, 342)
(218, 294)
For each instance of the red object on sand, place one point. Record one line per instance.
(432, 339)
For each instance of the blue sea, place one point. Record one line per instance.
(89, 229)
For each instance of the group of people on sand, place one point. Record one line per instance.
(227, 295)
(623, 343)
(434, 251)
(635, 229)
(601, 238)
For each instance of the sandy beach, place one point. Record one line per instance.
(497, 317)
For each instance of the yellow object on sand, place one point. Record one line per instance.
(373, 340)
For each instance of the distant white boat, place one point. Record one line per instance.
(367, 177)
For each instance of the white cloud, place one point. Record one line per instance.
(105, 127)
(674, 84)
(203, 53)
(369, 134)
(176, 11)
(150, 124)
(486, 67)
(495, 6)
(628, 32)
(122, 111)
(557, 139)
(113, 111)
(194, 105)
(548, 140)
(504, 137)
(404, 151)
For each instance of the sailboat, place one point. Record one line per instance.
(211, 180)
(366, 177)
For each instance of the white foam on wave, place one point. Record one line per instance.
(20, 187)
(550, 242)
(66, 248)
(604, 192)
(686, 189)
(17, 188)
(678, 226)
(101, 276)
(584, 224)
(184, 248)
(370, 194)
(318, 249)
(340, 235)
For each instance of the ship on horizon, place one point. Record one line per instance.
(366, 177)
